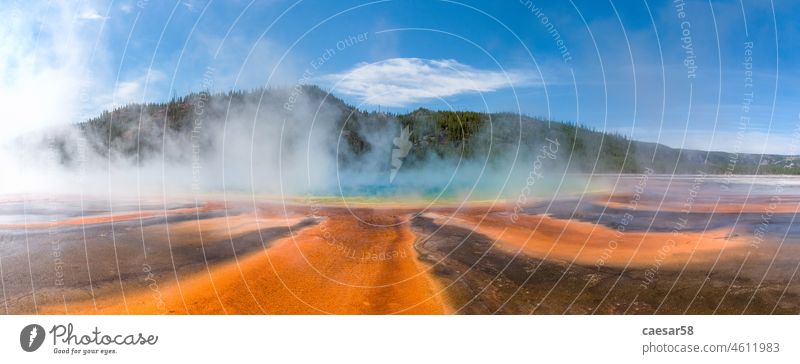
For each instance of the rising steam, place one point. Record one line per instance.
(251, 142)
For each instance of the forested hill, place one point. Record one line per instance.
(153, 130)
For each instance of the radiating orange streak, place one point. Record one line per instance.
(544, 237)
(341, 266)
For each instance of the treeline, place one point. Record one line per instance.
(139, 129)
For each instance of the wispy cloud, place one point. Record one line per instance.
(90, 14)
(191, 6)
(133, 90)
(399, 82)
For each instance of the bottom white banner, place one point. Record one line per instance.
(398, 339)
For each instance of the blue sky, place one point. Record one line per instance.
(619, 66)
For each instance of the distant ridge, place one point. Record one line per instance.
(140, 131)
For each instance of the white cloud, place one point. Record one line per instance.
(90, 14)
(191, 6)
(132, 90)
(402, 81)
